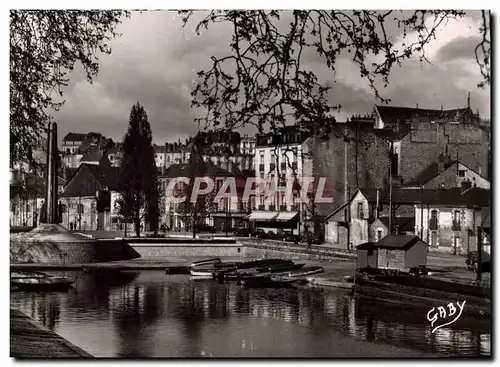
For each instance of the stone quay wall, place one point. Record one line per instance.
(155, 248)
(287, 250)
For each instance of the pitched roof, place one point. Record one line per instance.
(473, 197)
(74, 137)
(185, 170)
(366, 246)
(429, 173)
(397, 242)
(106, 176)
(159, 148)
(395, 115)
(92, 156)
(369, 194)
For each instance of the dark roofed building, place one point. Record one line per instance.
(74, 137)
(396, 252)
(396, 116)
(90, 178)
(292, 134)
(401, 225)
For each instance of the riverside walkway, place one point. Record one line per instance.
(30, 340)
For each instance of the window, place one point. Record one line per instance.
(360, 211)
(379, 234)
(461, 173)
(370, 252)
(456, 216)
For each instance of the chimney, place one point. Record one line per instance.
(441, 107)
(417, 106)
(441, 163)
(468, 100)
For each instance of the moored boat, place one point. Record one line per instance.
(202, 272)
(302, 272)
(42, 284)
(279, 267)
(205, 262)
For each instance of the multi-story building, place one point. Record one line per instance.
(398, 140)
(86, 197)
(247, 145)
(176, 153)
(72, 141)
(224, 214)
(281, 158)
(448, 220)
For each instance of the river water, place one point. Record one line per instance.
(150, 314)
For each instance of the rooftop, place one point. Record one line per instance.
(392, 242)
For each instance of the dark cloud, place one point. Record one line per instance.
(459, 48)
(155, 62)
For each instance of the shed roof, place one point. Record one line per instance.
(397, 242)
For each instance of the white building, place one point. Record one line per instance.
(281, 159)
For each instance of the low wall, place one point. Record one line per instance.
(188, 249)
(287, 250)
(58, 252)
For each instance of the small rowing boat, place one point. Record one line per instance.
(42, 284)
(206, 262)
(303, 272)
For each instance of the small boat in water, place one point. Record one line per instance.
(203, 272)
(279, 268)
(206, 262)
(40, 284)
(303, 272)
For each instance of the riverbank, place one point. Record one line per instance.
(334, 270)
(30, 340)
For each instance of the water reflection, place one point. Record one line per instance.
(148, 314)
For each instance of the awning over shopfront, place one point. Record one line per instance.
(272, 216)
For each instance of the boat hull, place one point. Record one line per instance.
(393, 292)
(304, 272)
(59, 285)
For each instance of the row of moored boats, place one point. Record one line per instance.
(255, 273)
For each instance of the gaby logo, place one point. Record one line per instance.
(442, 314)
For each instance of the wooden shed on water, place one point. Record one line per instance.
(400, 252)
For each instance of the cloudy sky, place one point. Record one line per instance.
(155, 62)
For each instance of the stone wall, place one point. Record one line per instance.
(152, 250)
(422, 147)
(277, 249)
(52, 244)
(52, 252)
(329, 161)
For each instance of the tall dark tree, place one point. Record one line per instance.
(264, 79)
(138, 184)
(44, 47)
